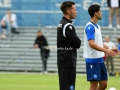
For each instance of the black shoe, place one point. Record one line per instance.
(15, 32)
(111, 74)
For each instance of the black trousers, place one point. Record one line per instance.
(44, 63)
(67, 78)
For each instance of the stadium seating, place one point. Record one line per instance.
(18, 53)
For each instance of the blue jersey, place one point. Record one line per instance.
(95, 68)
(90, 32)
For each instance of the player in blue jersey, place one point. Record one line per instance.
(94, 50)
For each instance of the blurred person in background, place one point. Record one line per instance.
(41, 42)
(118, 43)
(9, 21)
(67, 44)
(114, 8)
(109, 58)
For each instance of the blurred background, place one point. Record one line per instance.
(17, 53)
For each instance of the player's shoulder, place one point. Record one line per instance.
(70, 27)
(89, 27)
(112, 42)
(67, 25)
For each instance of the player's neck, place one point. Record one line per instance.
(94, 20)
(66, 16)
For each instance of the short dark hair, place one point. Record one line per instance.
(92, 9)
(39, 31)
(66, 5)
(8, 9)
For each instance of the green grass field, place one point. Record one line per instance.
(45, 82)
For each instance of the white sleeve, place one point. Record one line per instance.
(13, 18)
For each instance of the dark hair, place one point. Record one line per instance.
(8, 9)
(118, 40)
(39, 31)
(92, 9)
(66, 5)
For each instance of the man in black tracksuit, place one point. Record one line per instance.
(67, 43)
(41, 42)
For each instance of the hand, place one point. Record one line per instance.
(110, 52)
(3, 23)
(116, 51)
(36, 46)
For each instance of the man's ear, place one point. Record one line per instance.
(68, 11)
(95, 13)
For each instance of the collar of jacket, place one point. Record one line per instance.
(67, 19)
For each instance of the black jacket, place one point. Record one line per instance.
(109, 3)
(67, 42)
(41, 41)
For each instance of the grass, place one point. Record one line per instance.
(45, 82)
